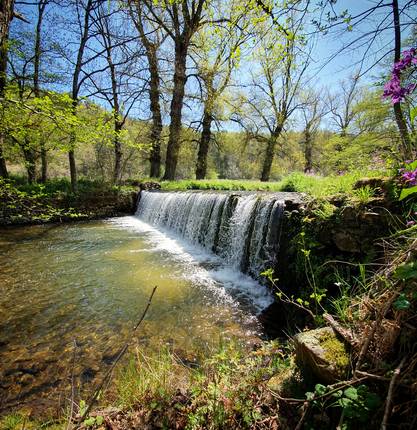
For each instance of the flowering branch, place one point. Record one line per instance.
(393, 87)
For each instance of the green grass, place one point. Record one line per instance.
(316, 186)
(19, 421)
(224, 391)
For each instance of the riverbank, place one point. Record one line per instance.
(23, 204)
(346, 264)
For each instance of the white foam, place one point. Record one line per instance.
(229, 284)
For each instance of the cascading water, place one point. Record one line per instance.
(242, 229)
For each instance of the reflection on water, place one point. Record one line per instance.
(86, 284)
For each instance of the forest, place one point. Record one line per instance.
(229, 90)
(208, 214)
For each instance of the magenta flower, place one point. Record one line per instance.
(410, 178)
(393, 87)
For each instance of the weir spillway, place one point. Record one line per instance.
(243, 229)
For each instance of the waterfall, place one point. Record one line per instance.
(243, 229)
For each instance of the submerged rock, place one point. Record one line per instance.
(320, 354)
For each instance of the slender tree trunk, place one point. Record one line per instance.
(6, 15)
(154, 91)
(154, 94)
(308, 151)
(117, 173)
(71, 153)
(76, 88)
(30, 162)
(406, 146)
(3, 167)
(73, 170)
(203, 147)
(269, 156)
(180, 79)
(36, 87)
(44, 164)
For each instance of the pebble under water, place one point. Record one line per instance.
(81, 287)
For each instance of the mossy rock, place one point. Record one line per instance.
(321, 355)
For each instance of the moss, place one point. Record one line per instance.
(335, 351)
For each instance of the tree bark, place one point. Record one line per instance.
(3, 166)
(308, 151)
(156, 130)
(154, 93)
(36, 87)
(30, 163)
(180, 79)
(44, 164)
(73, 170)
(406, 147)
(269, 155)
(117, 173)
(6, 15)
(203, 147)
(76, 89)
(71, 151)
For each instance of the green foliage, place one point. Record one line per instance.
(19, 421)
(357, 404)
(335, 351)
(364, 194)
(406, 271)
(54, 201)
(401, 303)
(225, 390)
(148, 377)
(324, 210)
(222, 392)
(315, 186)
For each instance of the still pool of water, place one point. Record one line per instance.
(81, 287)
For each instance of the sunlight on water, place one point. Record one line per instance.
(88, 283)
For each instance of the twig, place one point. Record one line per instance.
(97, 390)
(69, 423)
(300, 423)
(368, 339)
(342, 417)
(341, 330)
(333, 388)
(390, 392)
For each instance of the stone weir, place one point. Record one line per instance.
(243, 228)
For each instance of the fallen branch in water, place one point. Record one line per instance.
(109, 372)
(69, 423)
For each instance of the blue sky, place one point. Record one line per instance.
(329, 69)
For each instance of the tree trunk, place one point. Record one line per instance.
(308, 151)
(180, 79)
(6, 15)
(203, 147)
(406, 146)
(3, 167)
(30, 162)
(154, 95)
(71, 155)
(75, 90)
(73, 170)
(155, 155)
(36, 87)
(117, 153)
(269, 157)
(44, 164)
